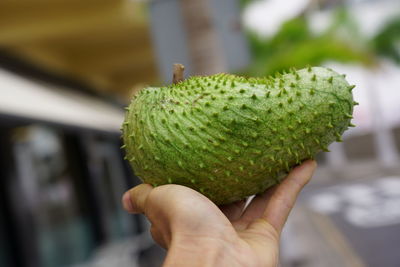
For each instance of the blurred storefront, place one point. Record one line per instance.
(66, 70)
(62, 174)
(101, 44)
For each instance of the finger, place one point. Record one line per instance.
(284, 196)
(233, 211)
(134, 200)
(255, 209)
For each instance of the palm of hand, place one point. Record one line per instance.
(198, 233)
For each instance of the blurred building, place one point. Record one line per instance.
(67, 68)
(102, 44)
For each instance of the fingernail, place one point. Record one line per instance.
(127, 202)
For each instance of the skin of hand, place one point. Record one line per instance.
(198, 233)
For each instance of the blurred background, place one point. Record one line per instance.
(69, 67)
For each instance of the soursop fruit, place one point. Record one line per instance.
(230, 137)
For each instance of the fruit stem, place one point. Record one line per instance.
(178, 73)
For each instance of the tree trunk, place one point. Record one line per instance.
(205, 52)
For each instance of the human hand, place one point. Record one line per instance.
(198, 233)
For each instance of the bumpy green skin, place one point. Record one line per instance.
(229, 137)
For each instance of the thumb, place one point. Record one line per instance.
(175, 208)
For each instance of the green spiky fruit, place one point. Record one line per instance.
(229, 137)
